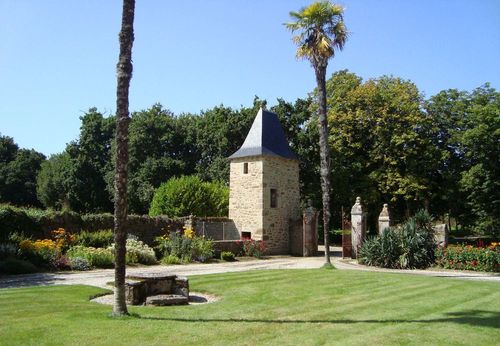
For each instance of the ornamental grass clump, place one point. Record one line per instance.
(409, 246)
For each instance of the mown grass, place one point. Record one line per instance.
(292, 307)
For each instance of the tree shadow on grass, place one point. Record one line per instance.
(27, 280)
(479, 318)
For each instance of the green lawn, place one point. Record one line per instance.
(292, 307)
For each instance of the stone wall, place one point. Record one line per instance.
(235, 247)
(282, 175)
(250, 199)
(245, 195)
(216, 228)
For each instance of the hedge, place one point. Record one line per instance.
(37, 223)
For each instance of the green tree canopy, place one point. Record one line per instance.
(18, 171)
(189, 195)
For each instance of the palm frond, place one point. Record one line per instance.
(321, 31)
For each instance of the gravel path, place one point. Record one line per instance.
(99, 278)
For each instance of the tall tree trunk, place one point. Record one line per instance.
(324, 151)
(124, 74)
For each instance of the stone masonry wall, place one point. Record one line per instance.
(245, 195)
(282, 175)
(250, 199)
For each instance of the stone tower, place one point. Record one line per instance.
(264, 197)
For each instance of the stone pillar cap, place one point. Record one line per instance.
(357, 208)
(385, 211)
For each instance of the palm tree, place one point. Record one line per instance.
(124, 75)
(320, 32)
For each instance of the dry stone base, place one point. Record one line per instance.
(139, 287)
(167, 299)
(195, 298)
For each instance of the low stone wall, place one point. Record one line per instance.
(216, 228)
(235, 247)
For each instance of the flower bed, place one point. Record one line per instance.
(468, 257)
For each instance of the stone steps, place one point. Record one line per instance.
(166, 299)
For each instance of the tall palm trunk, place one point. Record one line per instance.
(124, 74)
(324, 153)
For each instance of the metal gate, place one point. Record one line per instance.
(346, 236)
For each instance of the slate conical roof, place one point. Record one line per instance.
(266, 137)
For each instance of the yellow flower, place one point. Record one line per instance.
(26, 245)
(45, 244)
(188, 233)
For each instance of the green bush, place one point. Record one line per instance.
(42, 253)
(409, 246)
(382, 251)
(227, 256)
(189, 195)
(8, 250)
(186, 248)
(171, 259)
(15, 220)
(202, 249)
(99, 258)
(467, 257)
(417, 242)
(254, 248)
(138, 252)
(16, 266)
(80, 263)
(101, 238)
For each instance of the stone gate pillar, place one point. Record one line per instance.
(384, 221)
(358, 226)
(310, 229)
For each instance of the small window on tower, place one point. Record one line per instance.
(274, 198)
(245, 168)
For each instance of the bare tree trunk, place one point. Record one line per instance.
(124, 75)
(324, 151)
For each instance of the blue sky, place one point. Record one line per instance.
(58, 57)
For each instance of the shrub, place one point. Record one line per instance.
(171, 259)
(42, 253)
(8, 250)
(383, 251)
(80, 263)
(61, 262)
(189, 195)
(254, 248)
(407, 247)
(467, 257)
(417, 242)
(99, 258)
(62, 239)
(101, 238)
(138, 252)
(15, 220)
(187, 247)
(227, 256)
(201, 249)
(16, 266)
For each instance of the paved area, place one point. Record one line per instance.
(99, 278)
